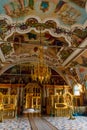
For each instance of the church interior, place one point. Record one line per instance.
(43, 65)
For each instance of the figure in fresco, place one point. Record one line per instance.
(12, 7)
(55, 1)
(80, 3)
(66, 13)
(84, 61)
(48, 37)
(76, 39)
(7, 9)
(59, 5)
(31, 4)
(44, 5)
(26, 3)
(32, 35)
(21, 3)
(16, 8)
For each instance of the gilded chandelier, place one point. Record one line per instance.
(41, 72)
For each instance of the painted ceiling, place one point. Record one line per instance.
(59, 26)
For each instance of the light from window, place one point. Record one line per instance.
(77, 88)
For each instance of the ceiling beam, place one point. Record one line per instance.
(79, 49)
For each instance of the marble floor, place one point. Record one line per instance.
(64, 123)
(61, 123)
(21, 123)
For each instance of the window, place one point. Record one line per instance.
(77, 89)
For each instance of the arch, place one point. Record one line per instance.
(31, 61)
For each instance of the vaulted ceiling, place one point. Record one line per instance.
(59, 26)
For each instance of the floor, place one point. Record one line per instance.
(60, 123)
(21, 123)
(39, 123)
(64, 123)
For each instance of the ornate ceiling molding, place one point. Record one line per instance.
(8, 27)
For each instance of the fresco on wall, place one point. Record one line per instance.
(80, 64)
(54, 43)
(82, 74)
(7, 49)
(82, 59)
(80, 3)
(79, 35)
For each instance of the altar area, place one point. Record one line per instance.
(53, 103)
(48, 100)
(32, 112)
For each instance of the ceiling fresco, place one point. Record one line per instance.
(81, 60)
(67, 12)
(59, 26)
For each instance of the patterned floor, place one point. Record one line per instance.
(63, 123)
(15, 124)
(39, 123)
